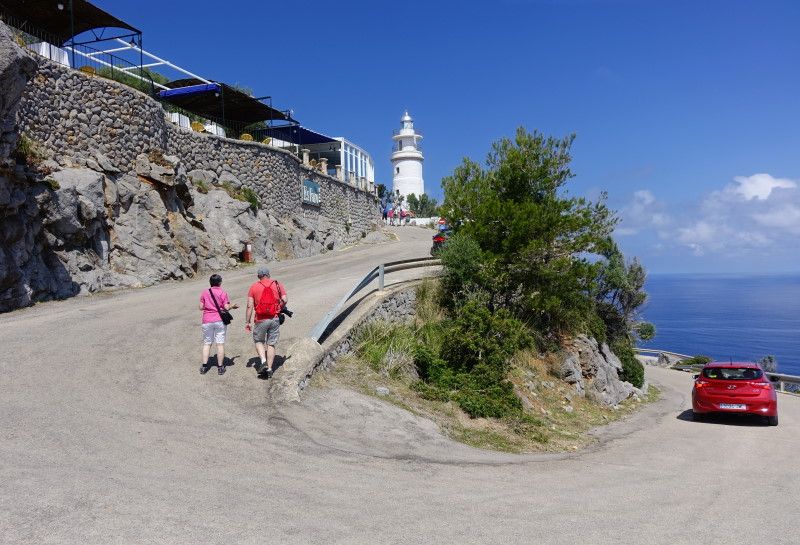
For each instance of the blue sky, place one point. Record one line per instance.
(686, 112)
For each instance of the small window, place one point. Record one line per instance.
(397, 170)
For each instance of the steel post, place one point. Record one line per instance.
(381, 271)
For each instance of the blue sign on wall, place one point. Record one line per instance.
(311, 193)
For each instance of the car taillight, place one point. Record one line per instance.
(438, 238)
(701, 384)
(761, 385)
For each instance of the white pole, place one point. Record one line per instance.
(178, 68)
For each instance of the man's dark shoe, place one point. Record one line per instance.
(269, 373)
(221, 370)
(203, 369)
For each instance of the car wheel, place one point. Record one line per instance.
(698, 417)
(772, 420)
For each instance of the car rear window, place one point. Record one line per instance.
(732, 373)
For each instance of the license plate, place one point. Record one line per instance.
(736, 406)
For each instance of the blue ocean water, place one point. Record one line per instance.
(739, 317)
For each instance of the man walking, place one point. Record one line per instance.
(265, 300)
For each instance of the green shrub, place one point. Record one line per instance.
(244, 194)
(632, 368)
(250, 196)
(52, 184)
(694, 361)
(201, 186)
(28, 151)
(461, 273)
(495, 402)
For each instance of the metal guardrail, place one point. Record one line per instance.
(656, 352)
(784, 383)
(781, 382)
(378, 272)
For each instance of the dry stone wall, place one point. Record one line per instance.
(74, 116)
(105, 193)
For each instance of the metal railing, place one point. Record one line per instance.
(378, 272)
(783, 383)
(656, 352)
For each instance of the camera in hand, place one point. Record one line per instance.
(283, 314)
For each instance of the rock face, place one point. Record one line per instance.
(594, 371)
(667, 360)
(93, 122)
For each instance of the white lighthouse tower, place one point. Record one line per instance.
(407, 160)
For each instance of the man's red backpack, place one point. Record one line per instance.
(269, 304)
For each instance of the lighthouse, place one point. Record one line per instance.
(407, 159)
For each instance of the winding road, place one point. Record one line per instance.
(108, 434)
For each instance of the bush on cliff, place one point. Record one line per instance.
(526, 250)
(632, 368)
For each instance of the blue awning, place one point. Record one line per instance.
(295, 134)
(190, 90)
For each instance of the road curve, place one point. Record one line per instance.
(108, 434)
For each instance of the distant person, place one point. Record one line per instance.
(212, 301)
(390, 214)
(403, 216)
(265, 300)
(386, 209)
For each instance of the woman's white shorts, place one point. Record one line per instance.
(214, 333)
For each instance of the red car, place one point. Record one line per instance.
(734, 388)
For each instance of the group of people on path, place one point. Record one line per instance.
(266, 299)
(396, 214)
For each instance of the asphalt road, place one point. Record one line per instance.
(108, 434)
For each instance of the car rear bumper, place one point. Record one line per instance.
(752, 406)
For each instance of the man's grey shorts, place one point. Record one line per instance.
(267, 332)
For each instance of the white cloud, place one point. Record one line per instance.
(756, 215)
(643, 212)
(783, 217)
(759, 186)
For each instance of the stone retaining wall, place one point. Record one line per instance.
(398, 307)
(74, 116)
(305, 356)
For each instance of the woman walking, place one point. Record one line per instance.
(212, 301)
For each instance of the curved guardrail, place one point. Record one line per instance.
(783, 383)
(378, 272)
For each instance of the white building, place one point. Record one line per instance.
(407, 160)
(356, 163)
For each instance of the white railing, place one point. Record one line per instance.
(783, 383)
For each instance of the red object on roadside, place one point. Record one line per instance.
(247, 253)
(734, 388)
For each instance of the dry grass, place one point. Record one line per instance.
(547, 425)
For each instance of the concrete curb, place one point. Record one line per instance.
(304, 357)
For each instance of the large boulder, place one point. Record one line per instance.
(593, 369)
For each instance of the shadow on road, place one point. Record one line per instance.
(277, 363)
(725, 419)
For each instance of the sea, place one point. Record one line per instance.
(727, 317)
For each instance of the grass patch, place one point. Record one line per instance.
(553, 417)
(201, 186)
(28, 151)
(244, 194)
